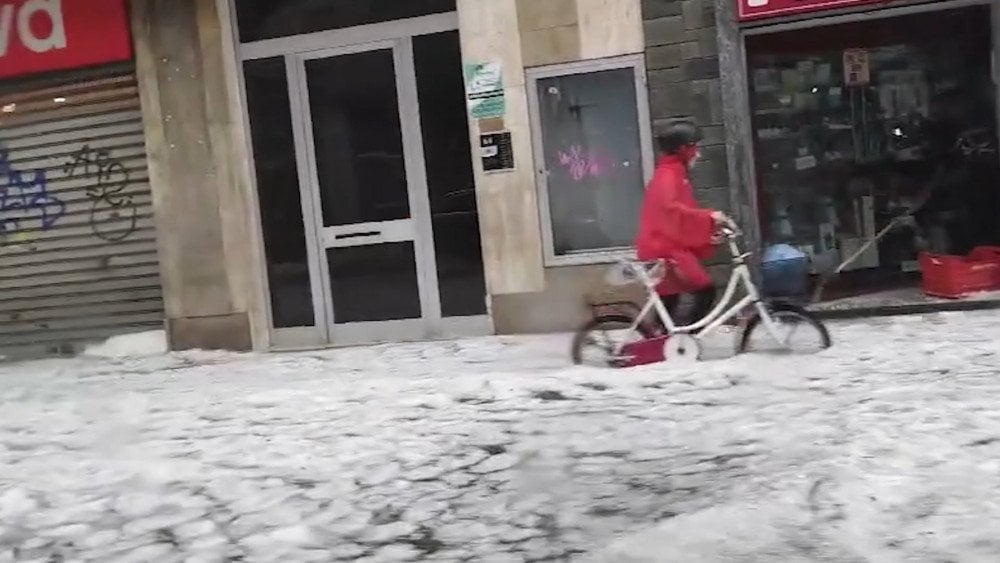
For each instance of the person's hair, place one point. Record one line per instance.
(677, 135)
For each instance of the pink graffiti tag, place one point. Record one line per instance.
(581, 165)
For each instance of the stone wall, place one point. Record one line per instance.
(682, 65)
(562, 31)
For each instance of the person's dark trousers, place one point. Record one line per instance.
(688, 308)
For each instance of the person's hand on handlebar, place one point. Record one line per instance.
(721, 219)
(724, 227)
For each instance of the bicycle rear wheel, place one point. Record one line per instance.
(596, 342)
(798, 332)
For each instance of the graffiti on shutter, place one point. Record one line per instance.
(77, 242)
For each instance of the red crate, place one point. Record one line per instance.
(985, 254)
(954, 277)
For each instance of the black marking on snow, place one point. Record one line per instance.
(604, 511)
(551, 396)
(494, 449)
(474, 401)
(425, 542)
(735, 380)
(386, 515)
(725, 458)
(983, 442)
(167, 536)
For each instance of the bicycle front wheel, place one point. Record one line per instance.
(796, 331)
(597, 343)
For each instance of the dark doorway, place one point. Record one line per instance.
(450, 181)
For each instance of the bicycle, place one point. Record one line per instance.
(668, 342)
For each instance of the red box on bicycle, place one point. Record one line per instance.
(954, 277)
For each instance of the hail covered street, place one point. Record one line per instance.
(884, 448)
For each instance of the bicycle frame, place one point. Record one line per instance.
(724, 310)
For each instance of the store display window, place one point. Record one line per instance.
(856, 124)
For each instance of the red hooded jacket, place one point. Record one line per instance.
(673, 227)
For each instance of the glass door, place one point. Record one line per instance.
(392, 232)
(373, 255)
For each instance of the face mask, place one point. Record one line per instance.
(694, 159)
(690, 155)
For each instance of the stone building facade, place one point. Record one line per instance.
(463, 222)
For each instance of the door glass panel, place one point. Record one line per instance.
(358, 140)
(278, 191)
(374, 283)
(450, 180)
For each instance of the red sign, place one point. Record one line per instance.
(43, 35)
(759, 9)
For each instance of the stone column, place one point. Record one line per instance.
(207, 228)
(736, 108)
(508, 201)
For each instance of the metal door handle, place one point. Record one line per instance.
(359, 235)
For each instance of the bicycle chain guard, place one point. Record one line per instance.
(676, 349)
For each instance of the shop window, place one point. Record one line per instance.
(268, 19)
(857, 123)
(593, 148)
(278, 190)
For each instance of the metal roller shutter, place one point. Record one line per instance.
(77, 242)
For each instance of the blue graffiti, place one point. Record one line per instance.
(24, 197)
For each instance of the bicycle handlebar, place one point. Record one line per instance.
(730, 229)
(631, 266)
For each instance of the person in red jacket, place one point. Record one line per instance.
(674, 228)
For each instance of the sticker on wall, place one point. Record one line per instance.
(857, 70)
(484, 89)
(496, 151)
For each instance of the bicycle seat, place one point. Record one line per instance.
(627, 272)
(650, 266)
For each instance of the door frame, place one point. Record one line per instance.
(417, 228)
(295, 50)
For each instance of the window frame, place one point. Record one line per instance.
(637, 64)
